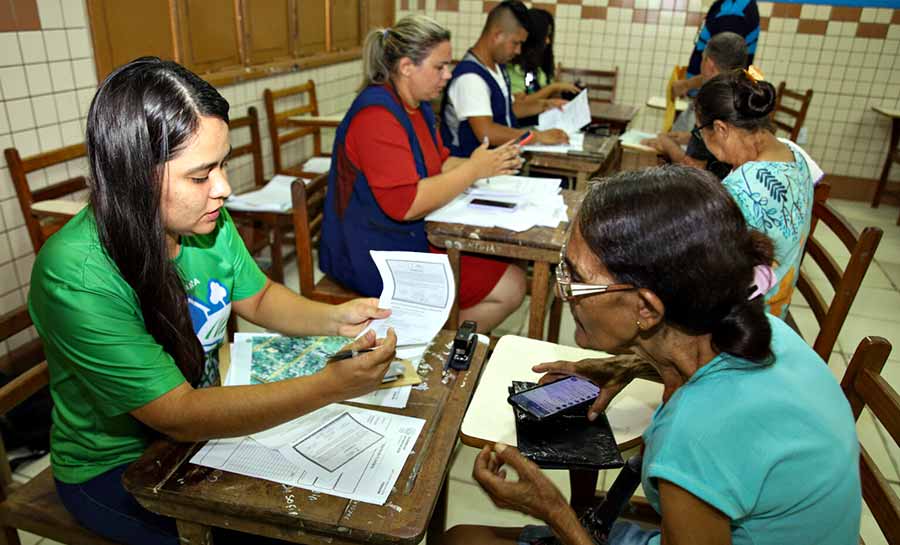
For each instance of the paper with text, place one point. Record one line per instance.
(573, 115)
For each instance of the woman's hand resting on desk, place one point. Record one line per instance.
(496, 162)
(358, 376)
(352, 317)
(610, 374)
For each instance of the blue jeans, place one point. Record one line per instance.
(103, 506)
(622, 533)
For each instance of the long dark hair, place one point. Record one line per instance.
(142, 116)
(735, 98)
(536, 52)
(677, 232)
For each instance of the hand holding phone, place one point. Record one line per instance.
(523, 138)
(552, 398)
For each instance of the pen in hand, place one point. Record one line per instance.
(347, 354)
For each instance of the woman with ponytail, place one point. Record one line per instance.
(772, 180)
(754, 442)
(131, 299)
(391, 169)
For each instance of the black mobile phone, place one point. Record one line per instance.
(549, 399)
(500, 205)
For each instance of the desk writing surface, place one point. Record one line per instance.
(58, 207)
(659, 103)
(890, 112)
(619, 113)
(317, 120)
(490, 418)
(165, 482)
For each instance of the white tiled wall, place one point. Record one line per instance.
(47, 80)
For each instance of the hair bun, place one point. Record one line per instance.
(753, 99)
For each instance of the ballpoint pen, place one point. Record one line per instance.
(347, 354)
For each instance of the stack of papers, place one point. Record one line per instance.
(275, 196)
(576, 143)
(317, 165)
(340, 450)
(538, 199)
(571, 118)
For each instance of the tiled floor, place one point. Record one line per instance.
(875, 312)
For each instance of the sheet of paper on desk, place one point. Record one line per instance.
(339, 449)
(257, 358)
(631, 139)
(317, 164)
(570, 118)
(526, 186)
(275, 196)
(549, 211)
(419, 289)
(629, 416)
(576, 143)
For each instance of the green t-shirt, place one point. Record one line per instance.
(103, 362)
(517, 81)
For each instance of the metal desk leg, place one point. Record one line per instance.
(584, 487)
(192, 533)
(539, 283)
(882, 182)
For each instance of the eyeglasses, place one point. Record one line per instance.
(569, 291)
(695, 132)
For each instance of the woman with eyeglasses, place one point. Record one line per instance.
(772, 180)
(755, 441)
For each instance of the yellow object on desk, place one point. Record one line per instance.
(678, 73)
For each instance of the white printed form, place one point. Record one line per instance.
(419, 289)
(337, 436)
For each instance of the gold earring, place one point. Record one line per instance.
(638, 324)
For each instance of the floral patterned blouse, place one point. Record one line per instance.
(776, 198)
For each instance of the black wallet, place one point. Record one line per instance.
(568, 440)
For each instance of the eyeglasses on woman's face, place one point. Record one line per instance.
(697, 133)
(569, 291)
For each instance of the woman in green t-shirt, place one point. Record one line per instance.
(131, 298)
(532, 71)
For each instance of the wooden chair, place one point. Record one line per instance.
(309, 202)
(260, 229)
(43, 209)
(791, 117)
(864, 386)
(846, 282)
(286, 125)
(33, 506)
(601, 84)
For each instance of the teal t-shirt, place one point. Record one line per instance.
(774, 448)
(776, 198)
(103, 362)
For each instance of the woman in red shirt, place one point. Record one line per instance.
(378, 175)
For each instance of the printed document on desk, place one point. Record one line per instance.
(339, 450)
(547, 211)
(632, 140)
(275, 196)
(534, 189)
(574, 115)
(419, 289)
(576, 143)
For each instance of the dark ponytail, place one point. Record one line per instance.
(142, 116)
(737, 99)
(677, 232)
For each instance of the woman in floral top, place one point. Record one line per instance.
(772, 180)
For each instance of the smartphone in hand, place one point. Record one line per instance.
(524, 138)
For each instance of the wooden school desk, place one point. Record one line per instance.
(538, 244)
(606, 155)
(165, 482)
(893, 155)
(324, 121)
(617, 115)
(490, 418)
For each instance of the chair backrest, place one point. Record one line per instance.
(601, 84)
(847, 281)
(19, 169)
(308, 201)
(280, 121)
(254, 147)
(790, 118)
(865, 387)
(26, 361)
